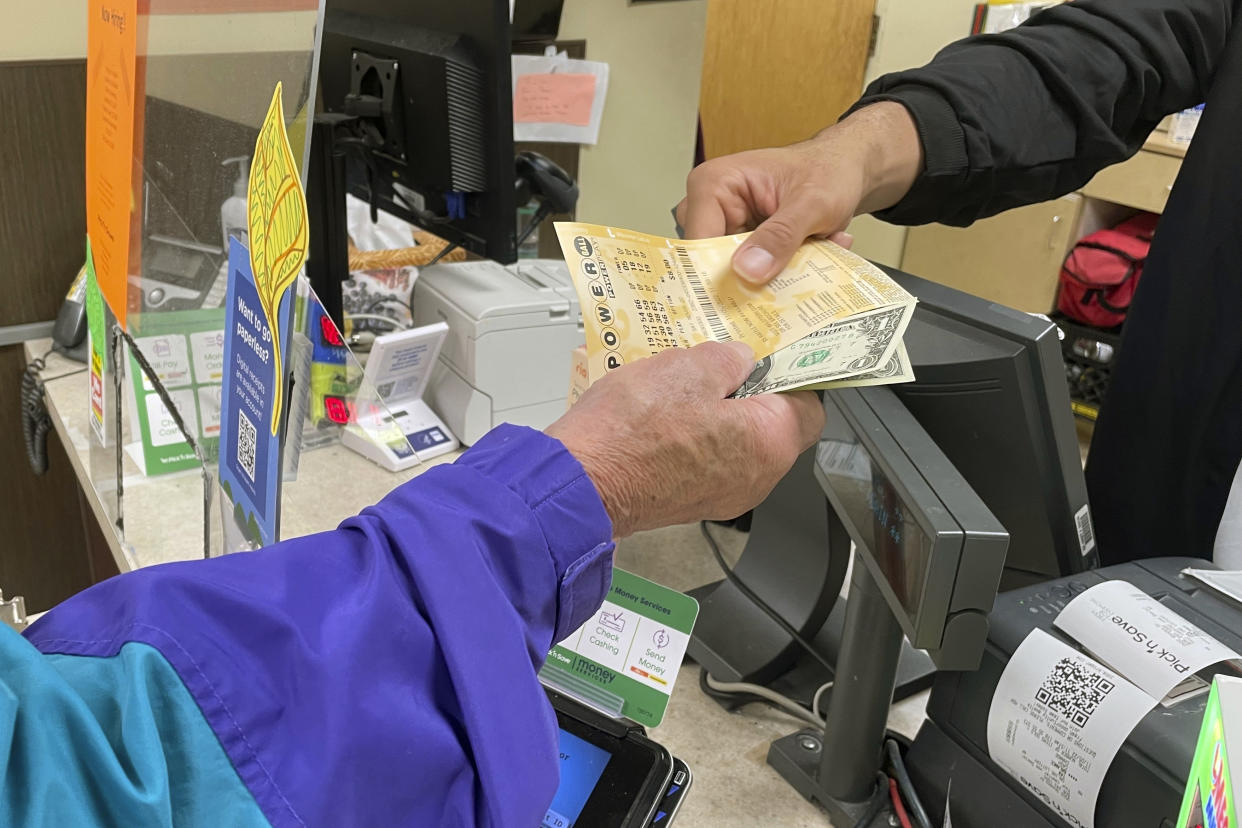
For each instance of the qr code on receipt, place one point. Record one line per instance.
(247, 437)
(1074, 690)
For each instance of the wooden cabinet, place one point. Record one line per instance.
(1015, 258)
(778, 71)
(1012, 258)
(1143, 182)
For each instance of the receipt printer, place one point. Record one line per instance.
(1144, 784)
(512, 331)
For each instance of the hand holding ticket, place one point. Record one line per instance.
(829, 319)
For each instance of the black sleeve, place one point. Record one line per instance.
(1031, 114)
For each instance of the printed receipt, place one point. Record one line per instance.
(1057, 720)
(641, 294)
(1139, 637)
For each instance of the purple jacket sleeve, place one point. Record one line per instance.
(383, 673)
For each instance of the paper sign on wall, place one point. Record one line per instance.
(563, 98)
(556, 98)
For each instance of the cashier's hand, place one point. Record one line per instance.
(864, 163)
(663, 446)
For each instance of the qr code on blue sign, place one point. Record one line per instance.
(247, 437)
(1074, 690)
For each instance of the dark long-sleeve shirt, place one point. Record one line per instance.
(1033, 113)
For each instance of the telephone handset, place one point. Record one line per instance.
(69, 332)
(69, 339)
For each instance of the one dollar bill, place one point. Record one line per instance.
(865, 349)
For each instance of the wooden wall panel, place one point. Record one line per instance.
(43, 550)
(42, 195)
(43, 543)
(778, 71)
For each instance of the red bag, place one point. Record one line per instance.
(1101, 273)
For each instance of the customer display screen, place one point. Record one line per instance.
(582, 764)
(874, 511)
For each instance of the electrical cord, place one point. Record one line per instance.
(544, 210)
(759, 602)
(898, 808)
(815, 701)
(917, 811)
(877, 801)
(449, 248)
(35, 419)
(783, 702)
(734, 699)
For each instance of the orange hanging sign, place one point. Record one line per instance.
(112, 28)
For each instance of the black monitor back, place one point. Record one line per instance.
(990, 389)
(453, 130)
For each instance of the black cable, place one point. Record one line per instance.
(877, 801)
(175, 413)
(449, 248)
(540, 214)
(35, 419)
(913, 803)
(759, 602)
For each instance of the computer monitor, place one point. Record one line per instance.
(928, 560)
(990, 390)
(417, 120)
(429, 86)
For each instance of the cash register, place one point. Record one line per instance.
(939, 522)
(1144, 785)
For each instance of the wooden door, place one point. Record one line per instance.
(778, 71)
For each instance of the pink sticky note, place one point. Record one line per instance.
(554, 99)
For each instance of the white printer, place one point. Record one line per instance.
(512, 331)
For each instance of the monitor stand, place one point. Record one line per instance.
(839, 766)
(795, 559)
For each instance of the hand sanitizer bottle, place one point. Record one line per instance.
(233, 220)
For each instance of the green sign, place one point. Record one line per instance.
(1209, 802)
(624, 659)
(185, 350)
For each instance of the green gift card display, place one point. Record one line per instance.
(624, 660)
(1209, 801)
(185, 350)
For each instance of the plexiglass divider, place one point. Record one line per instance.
(204, 81)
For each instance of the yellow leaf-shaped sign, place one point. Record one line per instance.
(276, 214)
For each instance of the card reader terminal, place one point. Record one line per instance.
(612, 775)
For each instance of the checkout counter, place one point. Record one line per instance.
(733, 787)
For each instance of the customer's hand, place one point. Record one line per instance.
(866, 162)
(663, 446)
